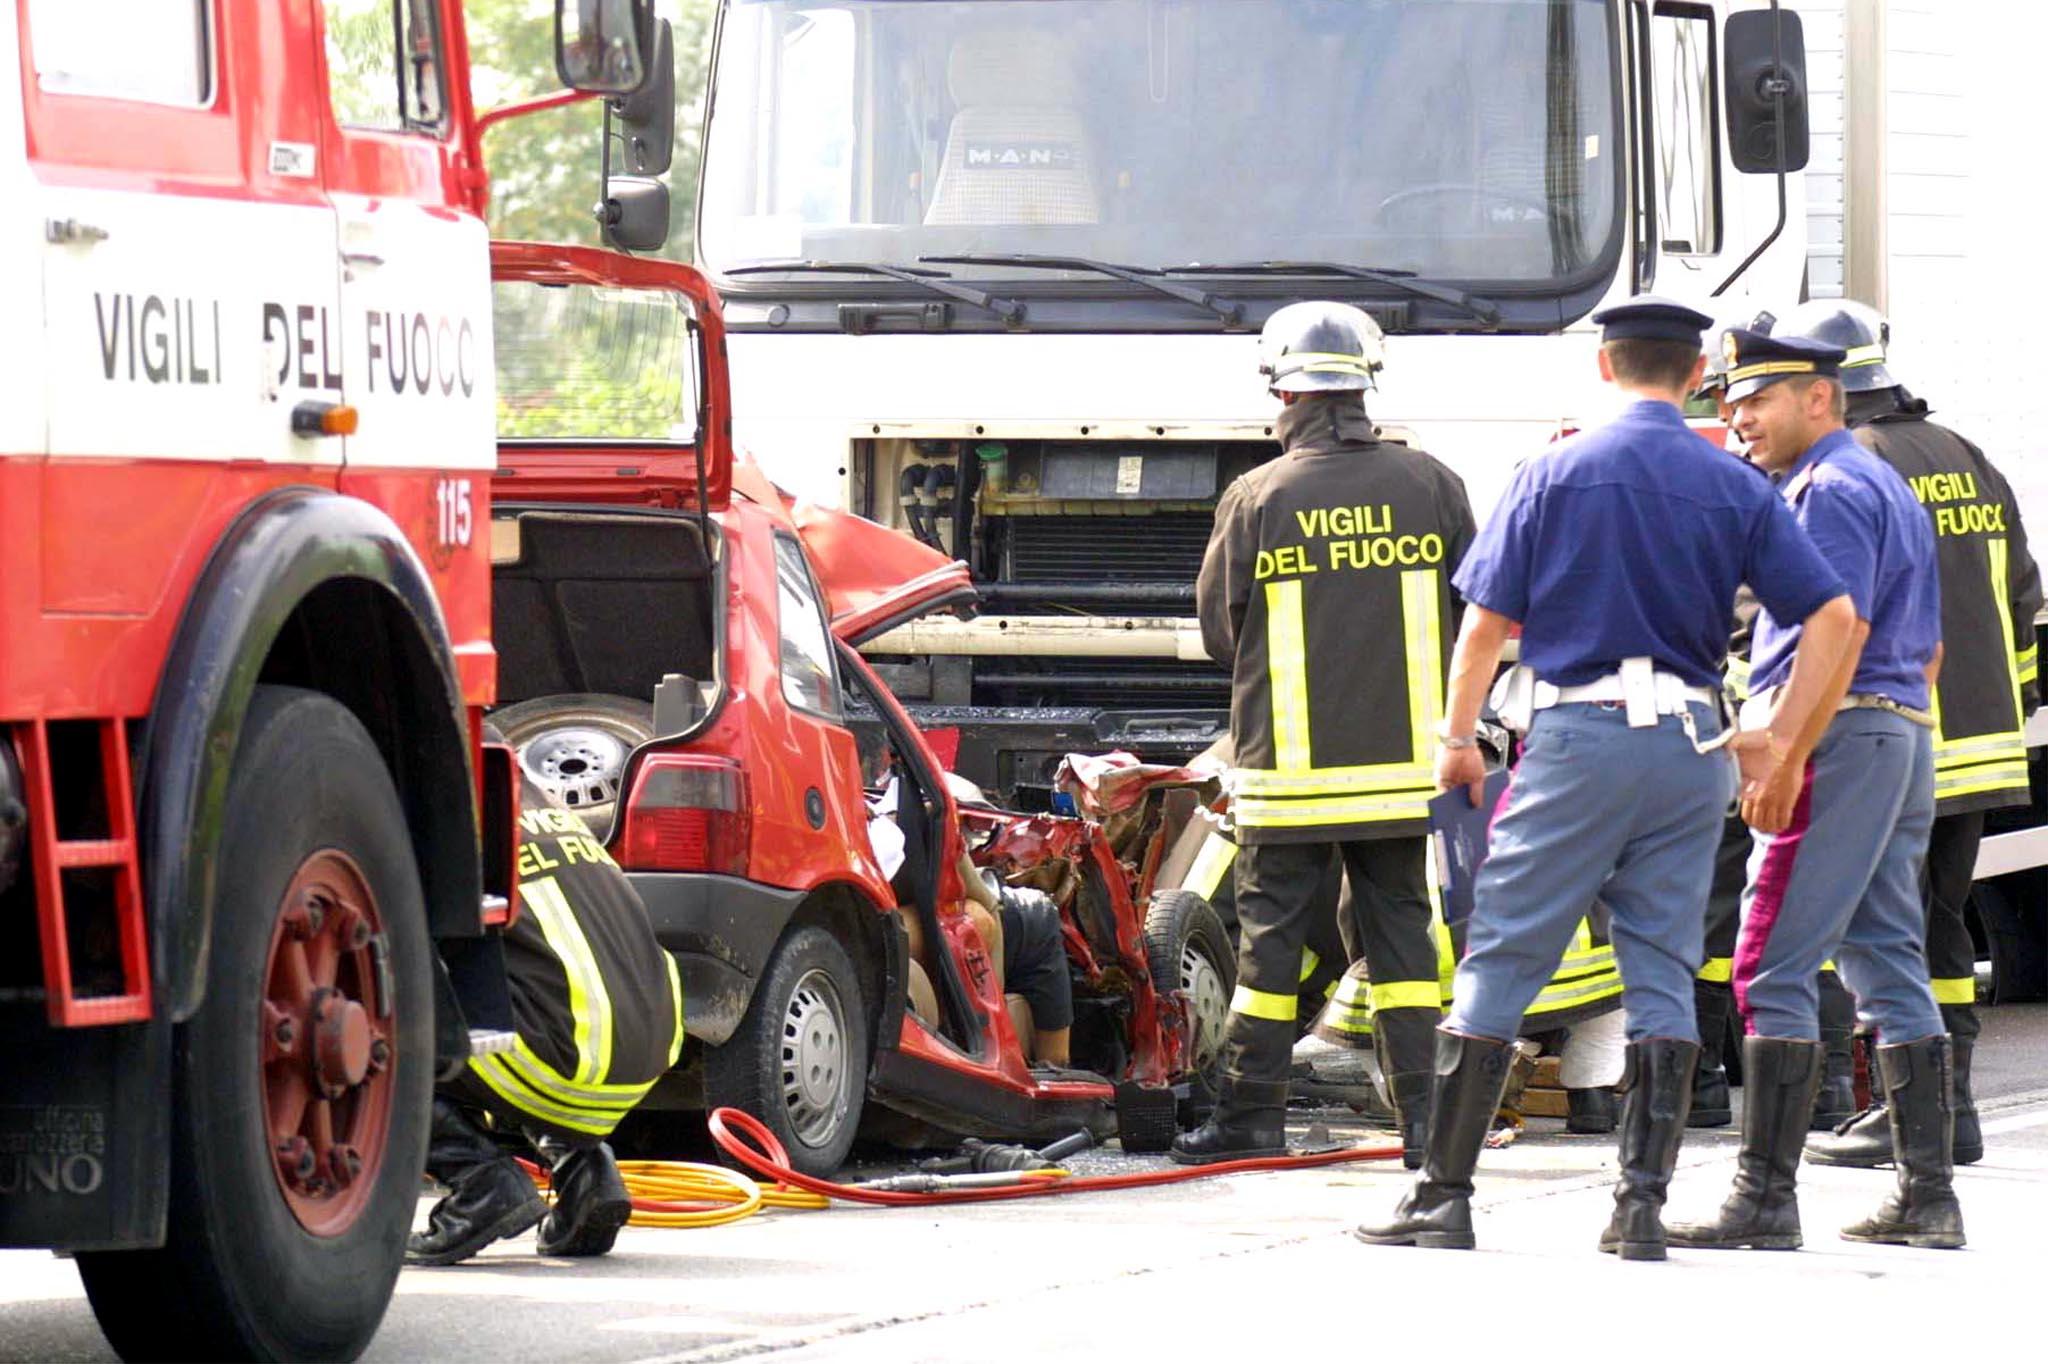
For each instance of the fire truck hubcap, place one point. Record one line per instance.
(327, 1041)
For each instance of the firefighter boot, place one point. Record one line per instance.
(1471, 1072)
(489, 1196)
(591, 1202)
(1779, 1075)
(1658, 1088)
(1589, 1112)
(1961, 1022)
(1406, 1040)
(1835, 1103)
(1250, 1121)
(1923, 1210)
(1712, 1001)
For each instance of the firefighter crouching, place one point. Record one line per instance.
(598, 1008)
(1990, 591)
(1326, 589)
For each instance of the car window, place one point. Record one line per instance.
(809, 681)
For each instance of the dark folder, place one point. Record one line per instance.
(1459, 834)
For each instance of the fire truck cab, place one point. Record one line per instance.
(245, 906)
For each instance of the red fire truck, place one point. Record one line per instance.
(245, 644)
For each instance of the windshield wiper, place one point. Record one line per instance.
(1231, 313)
(938, 281)
(1486, 310)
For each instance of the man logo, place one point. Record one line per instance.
(1020, 156)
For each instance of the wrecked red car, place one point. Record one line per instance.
(678, 662)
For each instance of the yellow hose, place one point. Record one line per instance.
(677, 1193)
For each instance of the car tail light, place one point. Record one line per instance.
(687, 812)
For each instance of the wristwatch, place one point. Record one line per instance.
(1444, 737)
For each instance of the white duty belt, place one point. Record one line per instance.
(1639, 686)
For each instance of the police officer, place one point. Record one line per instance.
(598, 1009)
(1618, 796)
(1841, 828)
(1326, 588)
(1990, 591)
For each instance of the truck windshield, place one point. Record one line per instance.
(1466, 139)
(581, 362)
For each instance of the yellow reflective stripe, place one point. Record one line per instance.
(1332, 781)
(527, 1065)
(1859, 356)
(1212, 863)
(1421, 632)
(1990, 777)
(1717, 971)
(1355, 1021)
(493, 1072)
(1558, 996)
(2027, 663)
(1829, 965)
(1354, 991)
(589, 1006)
(1320, 362)
(1771, 367)
(1264, 1004)
(1268, 814)
(1955, 990)
(1996, 545)
(1310, 960)
(675, 994)
(1405, 994)
(1959, 752)
(1287, 675)
(1330, 990)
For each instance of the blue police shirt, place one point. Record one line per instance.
(1867, 525)
(1630, 540)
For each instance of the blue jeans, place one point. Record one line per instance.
(1597, 810)
(1843, 881)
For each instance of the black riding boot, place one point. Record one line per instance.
(1779, 1076)
(1471, 1072)
(489, 1196)
(1835, 1102)
(1712, 1002)
(1250, 1121)
(1406, 1041)
(1658, 1095)
(591, 1202)
(1923, 1210)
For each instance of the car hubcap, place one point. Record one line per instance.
(578, 765)
(815, 1070)
(329, 1039)
(1210, 1006)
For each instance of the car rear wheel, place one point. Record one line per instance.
(301, 1086)
(799, 1059)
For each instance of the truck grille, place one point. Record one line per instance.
(1163, 548)
(1102, 683)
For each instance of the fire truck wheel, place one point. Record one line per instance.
(302, 1084)
(1189, 952)
(799, 1059)
(575, 747)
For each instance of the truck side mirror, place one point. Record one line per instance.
(1766, 64)
(634, 214)
(647, 118)
(601, 46)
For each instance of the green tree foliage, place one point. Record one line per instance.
(544, 167)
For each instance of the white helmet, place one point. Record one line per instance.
(1320, 347)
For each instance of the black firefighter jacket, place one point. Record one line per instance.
(1326, 591)
(1990, 590)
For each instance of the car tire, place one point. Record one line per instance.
(319, 918)
(799, 1059)
(1189, 951)
(575, 747)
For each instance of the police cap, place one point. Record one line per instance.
(1756, 361)
(1715, 377)
(1647, 317)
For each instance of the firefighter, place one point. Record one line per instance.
(1990, 590)
(1619, 553)
(1326, 590)
(1842, 827)
(598, 1009)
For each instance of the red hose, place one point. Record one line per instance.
(767, 1158)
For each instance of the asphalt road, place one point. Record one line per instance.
(1239, 1268)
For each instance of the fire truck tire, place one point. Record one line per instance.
(278, 1249)
(1190, 952)
(799, 1059)
(575, 747)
